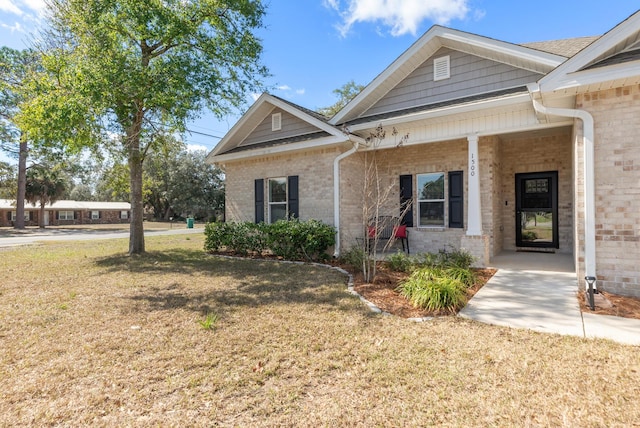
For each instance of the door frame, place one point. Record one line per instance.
(519, 178)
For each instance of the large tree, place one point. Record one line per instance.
(16, 67)
(145, 64)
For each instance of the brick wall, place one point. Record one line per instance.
(313, 168)
(616, 114)
(525, 154)
(412, 159)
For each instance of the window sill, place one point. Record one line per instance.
(431, 228)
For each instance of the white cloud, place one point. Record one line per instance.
(284, 88)
(300, 91)
(13, 28)
(401, 16)
(37, 6)
(10, 7)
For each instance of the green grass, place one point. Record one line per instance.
(291, 348)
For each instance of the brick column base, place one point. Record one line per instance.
(478, 247)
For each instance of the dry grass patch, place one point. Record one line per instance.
(93, 337)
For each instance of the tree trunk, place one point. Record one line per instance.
(22, 183)
(136, 227)
(41, 219)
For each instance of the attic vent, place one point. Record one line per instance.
(441, 69)
(276, 121)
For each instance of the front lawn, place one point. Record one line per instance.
(177, 337)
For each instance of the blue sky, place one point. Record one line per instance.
(312, 47)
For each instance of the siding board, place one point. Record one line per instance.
(470, 75)
(292, 126)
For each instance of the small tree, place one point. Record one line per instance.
(375, 196)
(44, 186)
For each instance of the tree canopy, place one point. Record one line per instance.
(137, 68)
(345, 93)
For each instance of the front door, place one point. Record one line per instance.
(537, 210)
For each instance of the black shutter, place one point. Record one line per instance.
(75, 215)
(294, 207)
(8, 215)
(456, 200)
(406, 199)
(57, 215)
(259, 200)
(30, 215)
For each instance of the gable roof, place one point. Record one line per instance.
(320, 133)
(437, 37)
(612, 58)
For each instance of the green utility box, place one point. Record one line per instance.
(189, 223)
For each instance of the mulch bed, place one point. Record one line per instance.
(621, 306)
(382, 292)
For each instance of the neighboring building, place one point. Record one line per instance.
(530, 147)
(67, 213)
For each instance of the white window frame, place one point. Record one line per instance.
(271, 203)
(64, 215)
(124, 215)
(95, 215)
(14, 215)
(442, 200)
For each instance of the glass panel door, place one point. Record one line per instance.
(537, 210)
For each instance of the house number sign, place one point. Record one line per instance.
(473, 165)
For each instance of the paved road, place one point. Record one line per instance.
(34, 236)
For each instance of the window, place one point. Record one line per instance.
(124, 215)
(431, 199)
(276, 121)
(65, 215)
(277, 192)
(441, 68)
(281, 199)
(27, 217)
(95, 215)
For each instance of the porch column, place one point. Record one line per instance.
(474, 212)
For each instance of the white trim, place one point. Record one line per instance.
(446, 111)
(474, 210)
(443, 201)
(289, 148)
(238, 131)
(426, 46)
(588, 134)
(599, 49)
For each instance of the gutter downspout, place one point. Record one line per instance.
(336, 194)
(589, 179)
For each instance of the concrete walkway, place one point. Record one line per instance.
(537, 291)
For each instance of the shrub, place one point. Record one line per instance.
(433, 289)
(401, 262)
(354, 257)
(289, 239)
(296, 240)
(241, 238)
